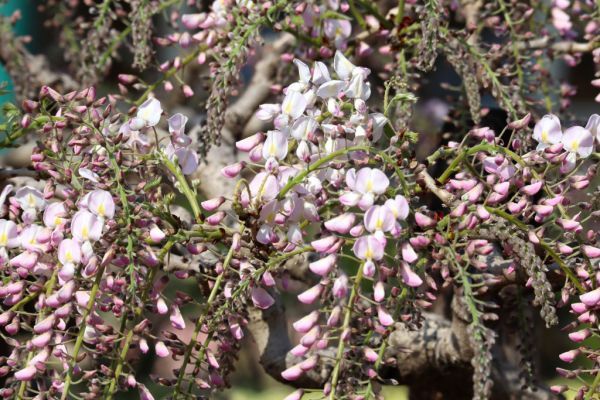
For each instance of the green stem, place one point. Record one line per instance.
(590, 394)
(359, 18)
(371, 8)
(316, 165)
(79, 340)
(184, 187)
(346, 325)
(211, 298)
(400, 13)
(118, 366)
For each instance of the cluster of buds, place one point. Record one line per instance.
(84, 250)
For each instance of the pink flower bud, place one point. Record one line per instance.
(324, 244)
(187, 91)
(532, 189)
(590, 299)
(564, 249)
(5, 317)
(369, 269)
(385, 318)
(482, 212)
(520, 123)
(306, 323)
(156, 234)
(127, 79)
(570, 225)
(324, 265)
(502, 188)
(419, 241)
(309, 363)
(474, 194)
(212, 361)
(192, 21)
(569, 356)
(558, 389)
(44, 325)
(334, 317)
(408, 253)
(578, 308)
(299, 350)
(459, 210)
(233, 170)
(370, 354)
(176, 318)
(256, 153)
(66, 292)
(292, 373)
(409, 277)
(249, 143)
(295, 395)
(341, 224)
(340, 286)
(379, 291)
(423, 220)
(216, 218)
(310, 295)
(591, 251)
(144, 346)
(580, 336)
(26, 374)
(42, 340)
(261, 298)
(161, 349)
(212, 204)
(310, 337)
(144, 392)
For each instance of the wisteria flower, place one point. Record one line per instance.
(577, 141)
(86, 226)
(365, 184)
(101, 203)
(337, 30)
(9, 236)
(547, 131)
(593, 125)
(275, 146)
(149, 112)
(54, 214)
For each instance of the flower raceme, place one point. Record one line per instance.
(351, 208)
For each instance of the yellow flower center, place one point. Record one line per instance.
(545, 136)
(287, 109)
(3, 239)
(575, 145)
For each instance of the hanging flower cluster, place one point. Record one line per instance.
(317, 177)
